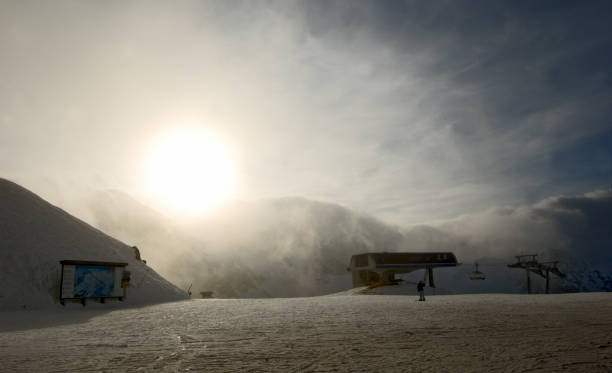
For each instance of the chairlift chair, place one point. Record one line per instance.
(476, 274)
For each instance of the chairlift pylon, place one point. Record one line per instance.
(476, 274)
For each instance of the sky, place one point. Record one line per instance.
(412, 112)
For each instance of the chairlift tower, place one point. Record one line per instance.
(543, 269)
(551, 267)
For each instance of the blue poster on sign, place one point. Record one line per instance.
(93, 281)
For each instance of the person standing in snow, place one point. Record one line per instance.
(421, 289)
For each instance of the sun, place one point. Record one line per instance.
(190, 171)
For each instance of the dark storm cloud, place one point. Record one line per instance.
(578, 228)
(519, 82)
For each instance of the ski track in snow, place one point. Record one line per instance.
(513, 333)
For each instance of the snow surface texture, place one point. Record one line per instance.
(35, 236)
(473, 333)
(296, 247)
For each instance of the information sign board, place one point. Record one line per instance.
(86, 279)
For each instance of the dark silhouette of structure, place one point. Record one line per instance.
(379, 269)
(530, 264)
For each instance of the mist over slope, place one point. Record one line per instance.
(298, 247)
(35, 236)
(283, 247)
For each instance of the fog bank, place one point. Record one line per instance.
(299, 247)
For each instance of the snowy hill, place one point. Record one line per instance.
(35, 236)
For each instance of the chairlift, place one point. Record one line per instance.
(476, 274)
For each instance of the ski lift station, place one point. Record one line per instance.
(376, 269)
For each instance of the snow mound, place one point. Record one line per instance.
(35, 236)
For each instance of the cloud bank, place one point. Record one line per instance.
(298, 247)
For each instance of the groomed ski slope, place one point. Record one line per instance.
(361, 333)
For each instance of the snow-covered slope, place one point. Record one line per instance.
(447, 333)
(35, 236)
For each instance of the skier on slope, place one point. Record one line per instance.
(421, 289)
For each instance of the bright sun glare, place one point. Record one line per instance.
(190, 171)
